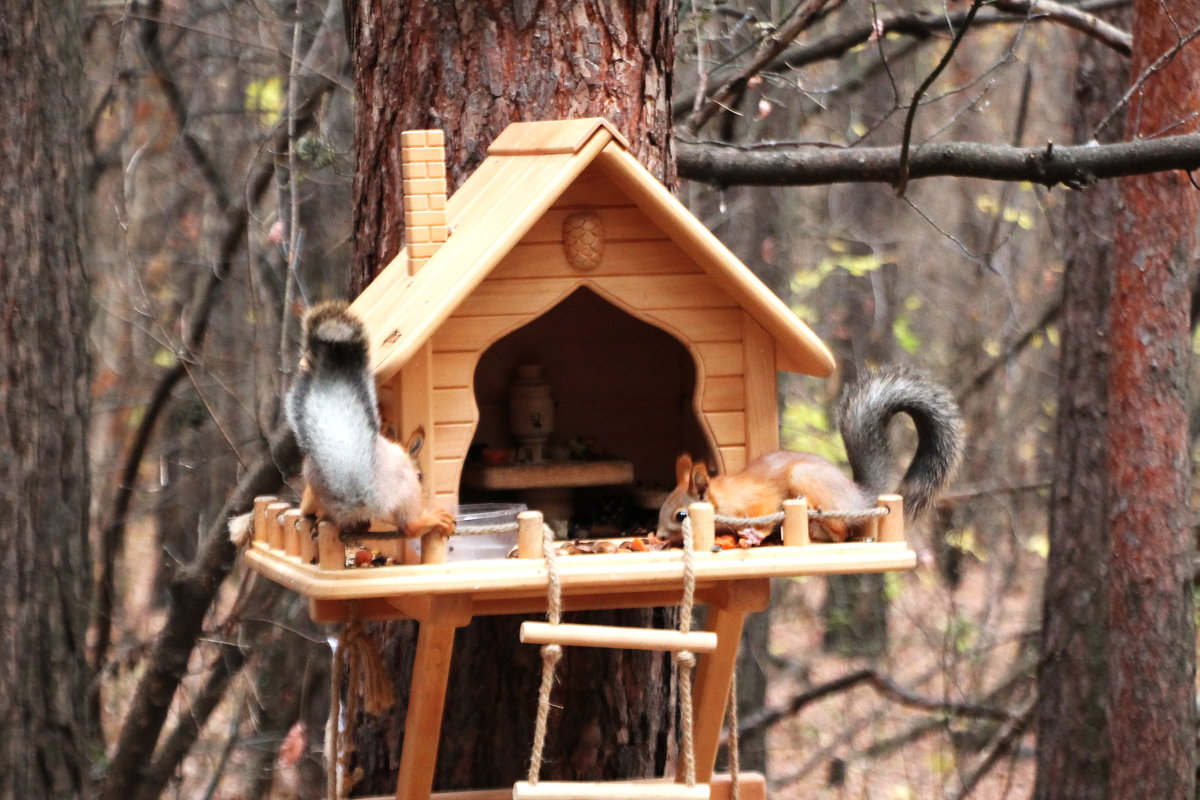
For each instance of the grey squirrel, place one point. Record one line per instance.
(864, 413)
(353, 473)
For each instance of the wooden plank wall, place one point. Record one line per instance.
(643, 273)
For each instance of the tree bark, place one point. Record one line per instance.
(44, 476)
(471, 69)
(1073, 750)
(1152, 649)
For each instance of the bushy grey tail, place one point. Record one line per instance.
(333, 410)
(864, 414)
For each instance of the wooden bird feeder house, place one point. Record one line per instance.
(562, 251)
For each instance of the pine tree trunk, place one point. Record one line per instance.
(1073, 749)
(1152, 644)
(44, 577)
(471, 69)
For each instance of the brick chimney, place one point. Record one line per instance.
(423, 170)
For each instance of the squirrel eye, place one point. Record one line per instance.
(681, 515)
(420, 475)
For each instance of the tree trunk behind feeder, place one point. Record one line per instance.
(498, 64)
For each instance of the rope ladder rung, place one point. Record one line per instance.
(609, 790)
(616, 637)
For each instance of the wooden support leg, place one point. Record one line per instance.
(726, 614)
(427, 696)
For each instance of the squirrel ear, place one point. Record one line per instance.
(415, 441)
(699, 480)
(683, 471)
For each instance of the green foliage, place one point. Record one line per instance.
(1039, 544)
(839, 258)
(314, 151)
(265, 98)
(965, 540)
(906, 337)
(165, 358)
(893, 586)
(961, 633)
(806, 426)
(990, 205)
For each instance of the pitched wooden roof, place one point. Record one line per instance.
(528, 166)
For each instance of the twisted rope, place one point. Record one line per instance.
(735, 763)
(685, 660)
(551, 654)
(461, 530)
(771, 519)
(368, 684)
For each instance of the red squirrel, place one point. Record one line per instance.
(353, 473)
(867, 407)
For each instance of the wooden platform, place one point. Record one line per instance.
(444, 596)
(516, 585)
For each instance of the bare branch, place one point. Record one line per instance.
(1003, 743)
(1073, 17)
(236, 223)
(767, 717)
(921, 26)
(806, 165)
(192, 591)
(152, 48)
(166, 762)
(1160, 62)
(802, 16)
(981, 378)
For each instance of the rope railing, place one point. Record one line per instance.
(857, 515)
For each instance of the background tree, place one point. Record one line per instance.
(1073, 746)
(1152, 654)
(44, 476)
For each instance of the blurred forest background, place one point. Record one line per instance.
(220, 159)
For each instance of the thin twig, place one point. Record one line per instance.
(1001, 744)
(1159, 63)
(236, 222)
(290, 275)
(918, 27)
(910, 117)
(226, 666)
(981, 378)
(802, 16)
(768, 717)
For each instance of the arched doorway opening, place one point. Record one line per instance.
(623, 391)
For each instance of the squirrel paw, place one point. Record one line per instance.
(432, 520)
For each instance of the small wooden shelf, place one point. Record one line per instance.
(549, 475)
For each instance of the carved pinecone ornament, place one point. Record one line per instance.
(583, 240)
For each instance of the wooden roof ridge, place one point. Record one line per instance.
(551, 137)
(528, 167)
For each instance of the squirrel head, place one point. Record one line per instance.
(691, 485)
